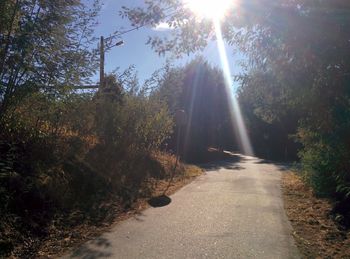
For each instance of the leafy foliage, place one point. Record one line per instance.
(60, 154)
(296, 78)
(65, 152)
(44, 45)
(199, 89)
(271, 121)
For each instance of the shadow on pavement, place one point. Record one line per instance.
(159, 201)
(93, 250)
(283, 166)
(226, 160)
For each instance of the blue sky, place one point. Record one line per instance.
(136, 52)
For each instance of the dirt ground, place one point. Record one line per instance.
(315, 231)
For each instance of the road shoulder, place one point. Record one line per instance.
(315, 232)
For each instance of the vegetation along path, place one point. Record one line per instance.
(235, 210)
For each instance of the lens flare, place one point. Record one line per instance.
(236, 115)
(212, 9)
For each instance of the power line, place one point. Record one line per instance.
(125, 32)
(143, 25)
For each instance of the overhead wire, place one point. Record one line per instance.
(145, 24)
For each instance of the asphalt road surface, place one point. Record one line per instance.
(234, 210)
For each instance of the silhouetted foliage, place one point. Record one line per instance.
(199, 89)
(272, 124)
(298, 61)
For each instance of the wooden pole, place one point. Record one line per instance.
(102, 62)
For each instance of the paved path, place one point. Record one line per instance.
(235, 210)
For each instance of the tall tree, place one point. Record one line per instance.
(302, 47)
(44, 45)
(199, 89)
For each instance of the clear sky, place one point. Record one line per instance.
(136, 52)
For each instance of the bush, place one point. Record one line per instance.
(317, 168)
(326, 161)
(68, 153)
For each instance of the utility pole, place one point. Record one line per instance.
(102, 62)
(104, 48)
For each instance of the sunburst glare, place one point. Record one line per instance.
(236, 115)
(208, 8)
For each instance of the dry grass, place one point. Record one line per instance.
(62, 241)
(315, 232)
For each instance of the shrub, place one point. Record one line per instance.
(67, 153)
(325, 161)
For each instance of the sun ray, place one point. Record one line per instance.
(236, 114)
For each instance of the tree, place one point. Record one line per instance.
(271, 121)
(44, 45)
(199, 89)
(300, 51)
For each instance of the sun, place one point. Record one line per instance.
(209, 9)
